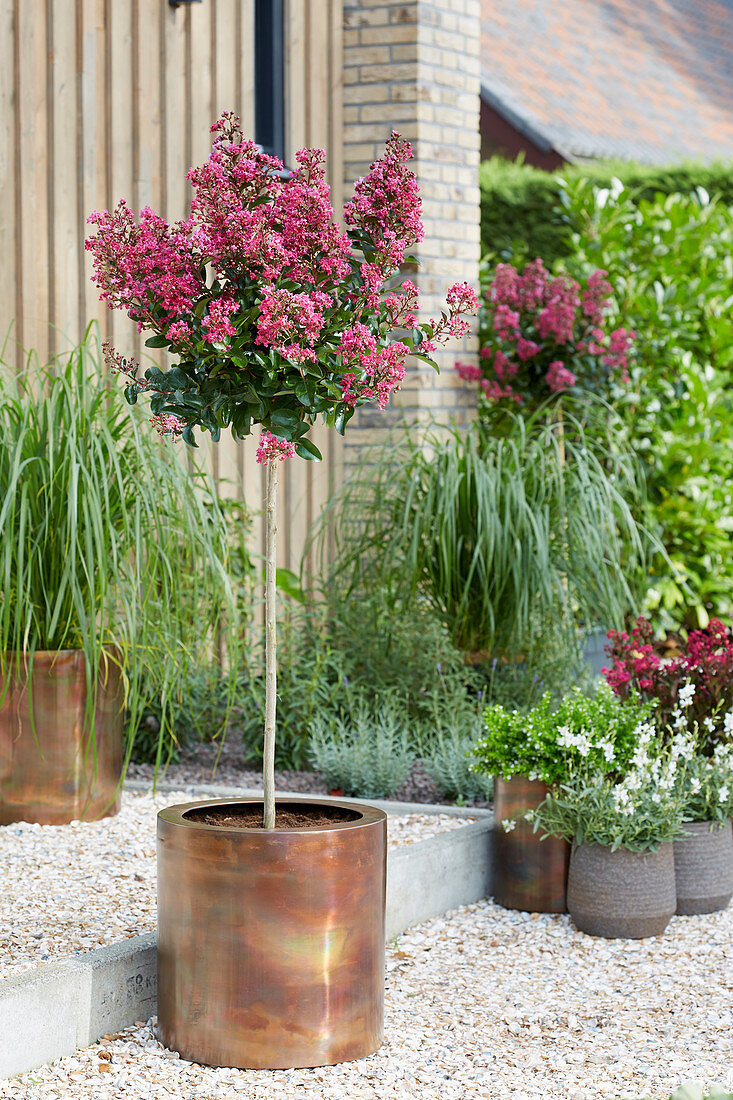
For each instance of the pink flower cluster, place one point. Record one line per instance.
(386, 205)
(271, 448)
(292, 323)
(370, 371)
(276, 313)
(544, 334)
(216, 325)
(705, 661)
(167, 425)
(148, 268)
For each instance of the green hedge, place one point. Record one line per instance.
(522, 215)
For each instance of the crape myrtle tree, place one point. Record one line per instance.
(272, 313)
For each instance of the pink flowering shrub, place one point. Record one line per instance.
(698, 682)
(273, 313)
(543, 334)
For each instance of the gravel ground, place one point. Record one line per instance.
(204, 764)
(97, 879)
(482, 1003)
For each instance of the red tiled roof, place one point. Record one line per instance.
(647, 80)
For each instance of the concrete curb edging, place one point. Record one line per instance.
(50, 1011)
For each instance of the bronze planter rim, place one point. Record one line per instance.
(176, 815)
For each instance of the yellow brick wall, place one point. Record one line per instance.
(414, 66)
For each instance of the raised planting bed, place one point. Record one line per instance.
(93, 886)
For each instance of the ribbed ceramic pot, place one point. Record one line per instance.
(56, 766)
(703, 866)
(621, 894)
(529, 873)
(271, 942)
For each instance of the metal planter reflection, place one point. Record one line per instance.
(54, 767)
(271, 942)
(529, 873)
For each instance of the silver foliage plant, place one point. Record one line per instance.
(366, 753)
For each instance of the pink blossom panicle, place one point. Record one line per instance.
(271, 448)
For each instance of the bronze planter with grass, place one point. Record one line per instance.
(271, 942)
(55, 765)
(529, 873)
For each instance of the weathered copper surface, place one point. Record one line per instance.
(53, 767)
(529, 873)
(271, 942)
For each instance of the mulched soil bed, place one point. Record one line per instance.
(205, 764)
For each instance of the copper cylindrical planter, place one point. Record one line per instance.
(55, 765)
(529, 873)
(271, 942)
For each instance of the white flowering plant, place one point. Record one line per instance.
(638, 810)
(706, 784)
(552, 743)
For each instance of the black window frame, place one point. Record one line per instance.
(269, 74)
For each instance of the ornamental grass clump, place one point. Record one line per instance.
(274, 315)
(108, 546)
(542, 335)
(497, 536)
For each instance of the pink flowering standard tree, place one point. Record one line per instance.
(273, 314)
(543, 335)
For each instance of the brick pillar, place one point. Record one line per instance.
(414, 66)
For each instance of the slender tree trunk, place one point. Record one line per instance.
(268, 756)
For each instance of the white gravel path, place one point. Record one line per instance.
(72, 888)
(482, 1003)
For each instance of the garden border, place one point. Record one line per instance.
(50, 1011)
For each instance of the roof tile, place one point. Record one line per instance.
(651, 82)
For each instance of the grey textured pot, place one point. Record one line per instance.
(703, 866)
(621, 894)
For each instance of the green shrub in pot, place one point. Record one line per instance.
(550, 741)
(531, 753)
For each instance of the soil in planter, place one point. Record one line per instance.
(235, 817)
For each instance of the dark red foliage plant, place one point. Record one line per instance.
(705, 664)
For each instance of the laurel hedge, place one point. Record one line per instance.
(522, 214)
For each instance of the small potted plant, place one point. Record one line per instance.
(532, 753)
(271, 924)
(703, 857)
(621, 880)
(693, 694)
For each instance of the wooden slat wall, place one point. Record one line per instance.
(108, 99)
